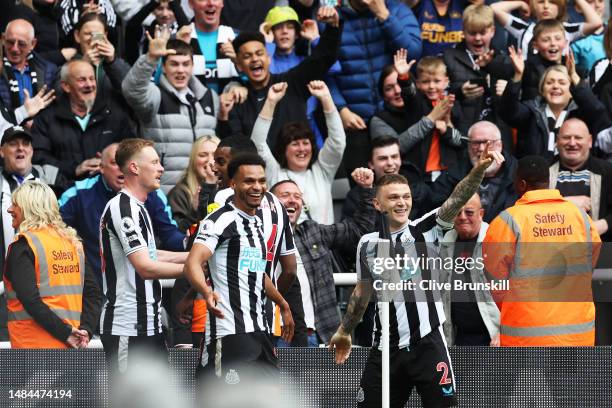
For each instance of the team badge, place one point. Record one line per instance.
(232, 377)
(360, 395)
(128, 225)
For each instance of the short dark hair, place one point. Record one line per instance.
(244, 159)
(245, 37)
(181, 48)
(86, 18)
(283, 182)
(238, 144)
(291, 132)
(533, 169)
(386, 71)
(387, 179)
(128, 149)
(382, 141)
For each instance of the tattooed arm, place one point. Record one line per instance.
(468, 186)
(357, 305)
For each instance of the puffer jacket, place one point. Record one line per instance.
(367, 46)
(168, 118)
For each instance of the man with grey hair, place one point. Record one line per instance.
(25, 75)
(74, 130)
(496, 190)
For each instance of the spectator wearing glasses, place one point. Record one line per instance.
(496, 190)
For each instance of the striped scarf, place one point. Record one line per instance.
(14, 84)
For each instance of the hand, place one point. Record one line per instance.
(266, 31)
(516, 57)
(226, 103)
(495, 341)
(157, 45)
(184, 34)
(488, 157)
(341, 342)
(400, 62)
(210, 177)
(93, 56)
(484, 59)
(212, 300)
(91, 7)
(328, 15)
(472, 91)
(581, 201)
(318, 89)
(601, 226)
(184, 310)
(68, 53)
(288, 324)
(310, 30)
(351, 120)
(89, 167)
(363, 176)
(239, 93)
(441, 126)
(227, 48)
(378, 8)
(106, 50)
(78, 338)
(441, 110)
(38, 102)
(500, 87)
(525, 10)
(570, 63)
(277, 92)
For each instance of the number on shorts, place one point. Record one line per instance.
(442, 366)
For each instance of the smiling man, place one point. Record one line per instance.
(233, 242)
(419, 355)
(581, 178)
(131, 263)
(178, 110)
(72, 132)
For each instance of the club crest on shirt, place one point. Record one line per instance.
(128, 225)
(360, 395)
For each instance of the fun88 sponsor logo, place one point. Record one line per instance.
(250, 260)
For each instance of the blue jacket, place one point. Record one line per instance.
(367, 46)
(81, 207)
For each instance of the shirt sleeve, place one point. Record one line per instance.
(361, 266)
(574, 31)
(129, 233)
(515, 26)
(287, 242)
(209, 234)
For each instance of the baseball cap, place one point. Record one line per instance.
(15, 132)
(281, 14)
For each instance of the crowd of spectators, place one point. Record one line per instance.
(321, 88)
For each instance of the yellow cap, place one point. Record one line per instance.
(281, 14)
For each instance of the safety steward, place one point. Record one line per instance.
(546, 247)
(44, 274)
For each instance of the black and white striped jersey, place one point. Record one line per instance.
(416, 313)
(523, 32)
(132, 305)
(242, 256)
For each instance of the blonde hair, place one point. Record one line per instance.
(478, 17)
(190, 176)
(561, 5)
(431, 65)
(41, 210)
(556, 68)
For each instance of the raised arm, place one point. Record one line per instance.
(592, 21)
(502, 10)
(468, 186)
(262, 127)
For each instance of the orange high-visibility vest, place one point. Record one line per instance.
(547, 248)
(198, 321)
(60, 278)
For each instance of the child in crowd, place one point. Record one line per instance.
(474, 68)
(549, 41)
(590, 49)
(523, 31)
(432, 143)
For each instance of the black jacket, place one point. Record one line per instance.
(529, 117)
(292, 108)
(58, 139)
(460, 69)
(504, 198)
